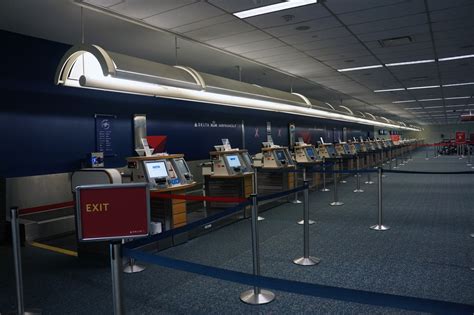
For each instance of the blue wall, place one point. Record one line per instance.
(50, 129)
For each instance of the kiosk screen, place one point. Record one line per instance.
(233, 160)
(357, 145)
(280, 155)
(331, 150)
(310, 152)
(247, 159)
(156, 169)
(181, 165)
(346, 148)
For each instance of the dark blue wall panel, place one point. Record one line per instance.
(50, 129)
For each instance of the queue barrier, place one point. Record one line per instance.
(304, 288)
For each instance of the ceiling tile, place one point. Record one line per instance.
(220, 30)
(239, 39)
(141, 9)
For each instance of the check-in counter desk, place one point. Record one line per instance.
(271, 174)
(362, 153)
(371, 158)
(169, 175)
(306, 156)
(228, 174)
(328, 153)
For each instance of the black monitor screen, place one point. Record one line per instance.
(357, 145)
(310, 152)
(181, 165)
(346, 148)
(280, 155)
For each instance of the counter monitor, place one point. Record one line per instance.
(310, 152)
(182, 167)
(331, 150)
(280, 155)
(156, 169)
(233, 160)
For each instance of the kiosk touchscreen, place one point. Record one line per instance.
(183, 170)
(275, 156)
(156, 169)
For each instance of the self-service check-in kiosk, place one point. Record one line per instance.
(271, 164)
(166, 174)
(229, 173)
(307, 155)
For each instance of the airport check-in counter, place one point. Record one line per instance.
(166, 174)
(328, 153)
(228, 174)
(306, 155)
(271, 177)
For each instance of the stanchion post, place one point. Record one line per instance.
(369, 180)
(116, 269)
(255, 188)
(301, 222)
(296, 200)
(379, 226)
(16, 243)
(469, 155)
(256, 296)
(336, 201)
(341, 168)
(426, 153)
(306, 260)
(324, 189)
(358, 189)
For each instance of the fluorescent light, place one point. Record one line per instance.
(414, 108)
(430, 99)
(455, 105)
(458, 84)
(273, 8)
(389, 90)
(360, 68)
(457, 98)
(405, 63)
(456, 57)
(428, 107)
(423, 87)
(407, 101)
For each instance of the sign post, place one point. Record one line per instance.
(113, 213)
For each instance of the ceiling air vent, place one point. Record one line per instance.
(395, 41)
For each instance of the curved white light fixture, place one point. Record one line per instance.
(92, 67)
(370, 115)
(348, 109)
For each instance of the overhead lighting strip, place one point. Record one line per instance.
(406, 63)
(360, 68)
(273, 8)
(432, 99)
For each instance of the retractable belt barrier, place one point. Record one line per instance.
(243, 202)
(427, 173)
(304, 288)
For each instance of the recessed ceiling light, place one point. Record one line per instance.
(423, 87)
(302, 28)
(458, 84)
(273, 8)
(405, 63)
(389, 90)
(456, 57)
(359, 68)
(430, 99)
(407, 101)
(457, 98)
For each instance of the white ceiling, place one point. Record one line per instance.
(300, 48)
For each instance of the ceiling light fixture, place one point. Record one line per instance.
(360, 68)
(273, 8)
(423, 87)
(405, 101)
(430, 99)
(406, 63)
(457, 98)
(90, 66)
(429, 107)
(389, 90)
(414, 108)
(456, 57)
(458, 84)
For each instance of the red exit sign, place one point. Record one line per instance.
(110, 212)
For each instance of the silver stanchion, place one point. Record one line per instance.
(306, 260)
(301, 222)
(396, 162)
(358, 189)
(426, 153)
(469, 155)
(341, 168)
(324, 189)
(133, 267)
(116, 269)
(255, 189)
(18, 265)
(296, 201)
(379, 226)
(336, 202)
(256, 295)
(369, 180)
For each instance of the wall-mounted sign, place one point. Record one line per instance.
(214, 124)
(110, 212)
(104, 130)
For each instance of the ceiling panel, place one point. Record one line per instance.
(399, 9)
(321, 44)
(303, 37)
(455, 13)
(199, 11)
(213, 21)
(256, 46)
(344, 6)
(239, 39)
(141, 9)
(235, 6)
(220, 30)
(390, 24)
(314, 25)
